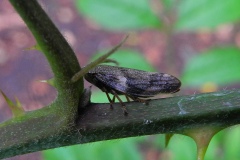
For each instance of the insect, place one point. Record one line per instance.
(132, 83)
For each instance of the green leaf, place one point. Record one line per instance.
(193, 15)
(220, 66)
(119, 15)
(108, 150)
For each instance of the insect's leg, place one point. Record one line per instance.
(109, 99)
(146, 101)
(123, 106)
(127, 98)
(113, 99)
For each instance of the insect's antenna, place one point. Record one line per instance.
(93, 64)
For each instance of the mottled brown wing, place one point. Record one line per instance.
(138, 83)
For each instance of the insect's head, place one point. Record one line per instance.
(90, 78)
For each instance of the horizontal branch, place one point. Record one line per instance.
(98, 122)
(168, 115)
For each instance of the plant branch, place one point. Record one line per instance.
(42, 127)
(59, 124)
(59, 54)
(169, 115)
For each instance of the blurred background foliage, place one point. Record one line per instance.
(204, 70)
(197, 41)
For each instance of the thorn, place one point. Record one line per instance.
(16, 109)
(34, 47)
(202, 137)
(168, 137)
(49, 81)
(18, 103)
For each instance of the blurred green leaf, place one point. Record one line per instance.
(220, 66)
(119, 15)
(108, 150)
(159, 141)
(194, 15)
(225, 145)
(100, 97)
(168, 3)
(214, 150)
(182, 148)
(231, 143)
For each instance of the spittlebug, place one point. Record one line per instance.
(132, 83)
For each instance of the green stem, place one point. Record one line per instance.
(97, 122)
(59, 54)
(42, 128)
(59, 124)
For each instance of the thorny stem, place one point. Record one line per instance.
(97, 122)
(34, 131)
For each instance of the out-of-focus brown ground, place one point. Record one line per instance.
(20, 69)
